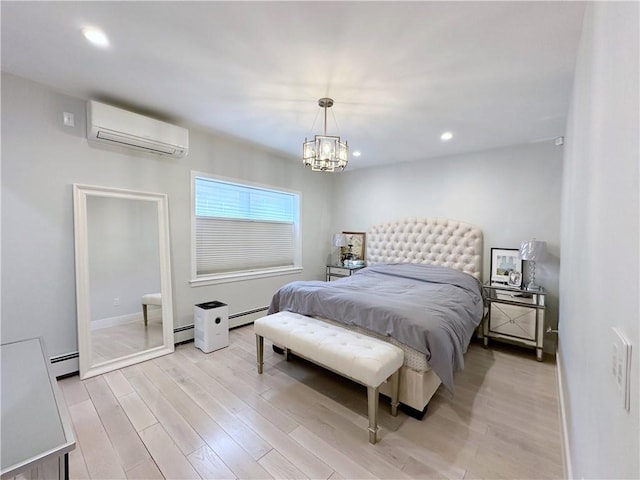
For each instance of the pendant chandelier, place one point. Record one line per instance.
(325, 153)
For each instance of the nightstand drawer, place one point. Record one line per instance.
(516, 297)
(513, 321)
(337, 271)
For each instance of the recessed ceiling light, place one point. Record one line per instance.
(95, 36)
(357, 153)
(446, 136)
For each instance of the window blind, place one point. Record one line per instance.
(228, 245)
(241, 228)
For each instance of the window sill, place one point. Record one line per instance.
(240, 276)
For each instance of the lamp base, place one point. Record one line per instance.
(532, 287)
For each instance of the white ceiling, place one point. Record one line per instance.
(493, 73)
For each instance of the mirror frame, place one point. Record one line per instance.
(80, 195)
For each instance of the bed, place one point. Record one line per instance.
(396, 252)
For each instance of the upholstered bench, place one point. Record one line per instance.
(366, 360)
(150, 299)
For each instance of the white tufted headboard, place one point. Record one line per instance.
(438, 241)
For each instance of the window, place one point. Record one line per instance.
(243, 230)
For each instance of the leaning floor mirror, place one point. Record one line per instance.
(123, 277)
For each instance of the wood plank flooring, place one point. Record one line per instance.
(127, 338)
(195, 415)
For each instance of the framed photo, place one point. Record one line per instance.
(506, 266)
(356, 246)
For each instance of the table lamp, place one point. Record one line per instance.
(340, 240)
(532, 251)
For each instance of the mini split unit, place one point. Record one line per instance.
(107, 124)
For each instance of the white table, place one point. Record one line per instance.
(35, 424)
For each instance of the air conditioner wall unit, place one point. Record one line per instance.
(107, 124)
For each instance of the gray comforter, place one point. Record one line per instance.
(430, 308)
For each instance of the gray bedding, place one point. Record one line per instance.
(430, 308)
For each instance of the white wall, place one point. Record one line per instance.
(512, 194)
(41, 159)
(599, 283)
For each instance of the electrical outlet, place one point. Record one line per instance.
(116, 302)
(621, 365)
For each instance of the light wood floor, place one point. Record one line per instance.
(120, 340)
(191, 415)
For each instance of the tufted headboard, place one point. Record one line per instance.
(438, 241)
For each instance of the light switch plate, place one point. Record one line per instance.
(621, 365)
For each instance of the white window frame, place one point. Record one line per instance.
(211, 279)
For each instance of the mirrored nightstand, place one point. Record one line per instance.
(514, 315)
(335, 272)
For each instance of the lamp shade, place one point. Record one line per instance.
(533, 250)
(340, 240)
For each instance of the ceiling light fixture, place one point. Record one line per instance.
(96, 37)
(325, 153)
(357, 153)
(446, 136)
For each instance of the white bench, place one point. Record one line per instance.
(150, 299)
(366, 360)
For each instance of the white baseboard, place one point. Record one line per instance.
(115, 321)
(64, 364)
(566, 448)
(152, 314)
(185, 333)
(183, 336)
(246, 318)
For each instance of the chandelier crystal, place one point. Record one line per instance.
(325, 153)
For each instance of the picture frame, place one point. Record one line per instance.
(506, 267)
(357, 242)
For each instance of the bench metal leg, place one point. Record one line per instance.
(372, 398)
(144, 313)
(287, 354)
(394, 381)
(260, 351)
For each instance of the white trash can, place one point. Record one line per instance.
(211, 324)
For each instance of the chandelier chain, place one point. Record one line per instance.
(310, 134)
